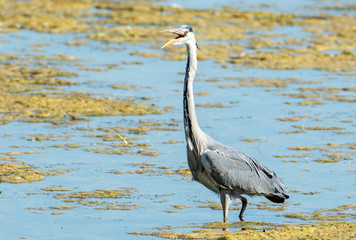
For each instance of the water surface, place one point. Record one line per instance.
(253, 112)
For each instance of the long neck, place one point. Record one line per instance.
(193, 132)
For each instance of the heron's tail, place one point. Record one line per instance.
(277, 198)
(280, 193)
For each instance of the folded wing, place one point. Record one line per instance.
(236, 171)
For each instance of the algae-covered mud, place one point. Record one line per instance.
(91, 132)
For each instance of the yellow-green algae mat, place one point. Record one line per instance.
(333, 230)
(20, 98)
(21, 172)
(140, 21)
(326, 224)
(37, 95)
(98, 199)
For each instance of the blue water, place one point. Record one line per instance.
(253, 114)
(302, 7)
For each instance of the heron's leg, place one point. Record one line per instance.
(225, 202)
(244, 204)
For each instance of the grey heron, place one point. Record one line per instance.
(222, 169)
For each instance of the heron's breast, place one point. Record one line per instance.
(199, 173)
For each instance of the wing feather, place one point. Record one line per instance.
(236, 171)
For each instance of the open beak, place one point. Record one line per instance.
(175, 31)
(170, 42)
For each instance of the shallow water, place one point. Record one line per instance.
(303, 7)
(253, 113)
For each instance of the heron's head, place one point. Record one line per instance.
(184, 35)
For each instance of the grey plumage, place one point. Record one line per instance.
(220, 168)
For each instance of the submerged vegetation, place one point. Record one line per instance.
(100, 199)
(23, 173)
(38, 86)
(24, 94)
(341, 230)
(132, 21)
(328, 224)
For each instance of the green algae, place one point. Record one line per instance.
(170, 211)
(311, 102)
(339, 230)
(55, 189)
(23, 173)
(180, 207)
(309, 193)
(332, 214)
(217, 206)
(289, 119)
(258, 82)
(124, 87)
(153, 170)
(302, 129)
(141, 171)
(67, 146)
(17, 77)
(332, 153)
(332, 158)
(98, 199)
(243, 225)
(290, 161)
(143, 128)
(144, 164)
(266, 205)
(99, 193)
(52, 208)
(142, 152)
(47, 137)
(124, 207)
(213, 105)
(19, 153)
(318, 95)
(133, 21)
(172, 142)
(119, 140)
(330, 225)
(24, 94)
(293, 155)
(181, 171)
(46, 108)
(251, 139)
(288, 59)
(225, 53)
(321, 128)
(316, 128)
(203, 93)
(302, 148)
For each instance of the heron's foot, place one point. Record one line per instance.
(241, 218)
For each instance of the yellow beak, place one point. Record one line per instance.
(175, 31)
(169, 43)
